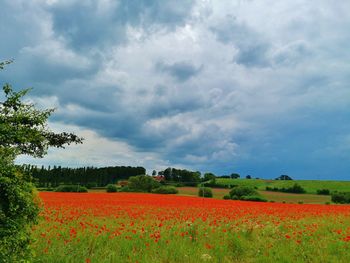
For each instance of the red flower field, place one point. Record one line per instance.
(135, 227)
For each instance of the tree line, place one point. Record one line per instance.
(87, 176)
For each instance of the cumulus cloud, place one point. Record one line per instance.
(258, 87)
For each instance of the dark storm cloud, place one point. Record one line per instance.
(258, 87)
(85, 25)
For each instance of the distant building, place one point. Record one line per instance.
(159, 178)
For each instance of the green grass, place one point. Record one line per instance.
(219, 193)
(295, 198)
(311, 186)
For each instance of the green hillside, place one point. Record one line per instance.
(311, 186)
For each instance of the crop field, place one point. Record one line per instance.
(311, 186)
(136, 227)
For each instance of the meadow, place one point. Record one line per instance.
(138, 227)
(311, 186)
(219, 193)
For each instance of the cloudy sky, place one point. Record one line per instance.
(256, 87)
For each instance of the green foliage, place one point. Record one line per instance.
(205, 192)
(255, 198)
(226, 197)
(165, 190)
(295, 189)
(209, 176)
(310, 186)
(23, 130)
(71, 188)
(235, 176)
(87, 176)
(323, 192)
(180, 175)
(341, 197)
(18, 212)
(142, 183)
(90, 185)
(240, 191)
(284, 177)
(111, 188)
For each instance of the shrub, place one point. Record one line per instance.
(296, 188)
(227, 197)
(254, 198)
(71, 188)
(90, 185)
(165, 190)
(341, 197)
(323, 192)
(205, 192)
(234, 197)
(111, 188)
(240, 191)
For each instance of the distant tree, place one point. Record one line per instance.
(248, 177)
(209, 176)
(142, 183)
(23, 130)
(284, 177)
(235, 176)
(154, 172)
(181, 175)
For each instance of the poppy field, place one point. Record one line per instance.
(137, 227)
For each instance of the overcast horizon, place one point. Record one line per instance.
(253, 87)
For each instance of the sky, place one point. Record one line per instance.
(255, 87)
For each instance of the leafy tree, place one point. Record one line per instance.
(154, 172)
(284, 177)
(23, 130)
(142, 183)
(248, 177)
(209, 176)
(235, 176)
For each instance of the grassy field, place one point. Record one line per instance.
(152, 228)
(270, 196)
(311, 186)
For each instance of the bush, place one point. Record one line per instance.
(240, 191)
(142, 183)
(205, 192)
(341, 197)
(254, 198)
(323, 192)
(165, 190)
(111, 188)
(90, 185)
(227, 197)
(71, 188)
(295, 189)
